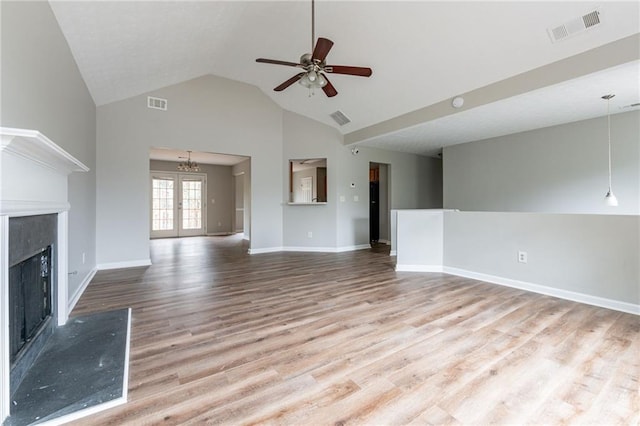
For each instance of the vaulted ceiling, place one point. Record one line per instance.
(497, 55)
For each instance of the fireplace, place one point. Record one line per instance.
(32, 278)
(34, 212)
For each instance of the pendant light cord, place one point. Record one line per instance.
(609, 133)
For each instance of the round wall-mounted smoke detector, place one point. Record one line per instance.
(457, 102)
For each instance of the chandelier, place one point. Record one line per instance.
(188, 166)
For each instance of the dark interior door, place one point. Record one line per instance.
(374, 211)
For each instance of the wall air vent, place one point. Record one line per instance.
(575, 26)
(340, 118)
(157, 103)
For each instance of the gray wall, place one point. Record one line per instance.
(415, 182)
(43, 90)
(542, 192)
(209, 114)
(219, 188)
(597, 255)
(559, 169)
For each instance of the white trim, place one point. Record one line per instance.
(419, 268)
(125, 264)
(549, 291)
(219, 234)
(352, 248)
(109, 404)
(36, 147)
(311, 249)
(78, 293)
(17, 208)
(387, 242)
(5, 368)
(63, 267)
(84, 413)
(393, 253)
(265, 250)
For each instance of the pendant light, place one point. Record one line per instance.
(609, 199)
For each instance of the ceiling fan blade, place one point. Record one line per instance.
(323, 46)
(345, 69)
(288, 82)
(329, 90)
(276, 62)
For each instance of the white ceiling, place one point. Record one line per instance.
(421, 53)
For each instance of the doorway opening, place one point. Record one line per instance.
(212, 199)
(379, 202)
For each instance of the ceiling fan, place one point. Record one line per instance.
(315, 66)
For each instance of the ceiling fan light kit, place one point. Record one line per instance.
(315, 67)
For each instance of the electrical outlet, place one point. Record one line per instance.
(219, 224)
(309, 234)
(342, 199)
(522, 256)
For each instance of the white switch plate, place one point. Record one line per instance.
(309, 234)
(356, 198)
(342, 199)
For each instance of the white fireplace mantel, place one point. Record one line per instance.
(33, 180)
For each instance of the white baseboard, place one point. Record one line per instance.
(125, 264)
(352, 248)
(328, 249)
(387, 242)
(419, 268)
(310, 249)
(219, 234)
(588, 299)
(264, 250)
(392, 253)
(83, 286)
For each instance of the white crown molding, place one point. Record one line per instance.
(34, 146)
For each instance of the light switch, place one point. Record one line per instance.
(342, 199)
(356, 198)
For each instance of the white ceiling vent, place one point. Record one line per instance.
(575, 26)
(340, 118)
(157, 103)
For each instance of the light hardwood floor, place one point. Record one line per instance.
(221, 337)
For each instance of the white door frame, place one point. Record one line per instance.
(177, 230)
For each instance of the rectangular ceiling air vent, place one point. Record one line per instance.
(575, 26)
(340, 118)
(157, 103)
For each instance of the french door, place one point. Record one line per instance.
(178, 207)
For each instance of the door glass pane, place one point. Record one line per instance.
(162, 197)
(191, 204)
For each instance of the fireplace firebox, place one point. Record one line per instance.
(30, 300)
(32, 252)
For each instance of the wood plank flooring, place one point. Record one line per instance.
(221, 337)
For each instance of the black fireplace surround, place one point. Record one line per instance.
(32, 287)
